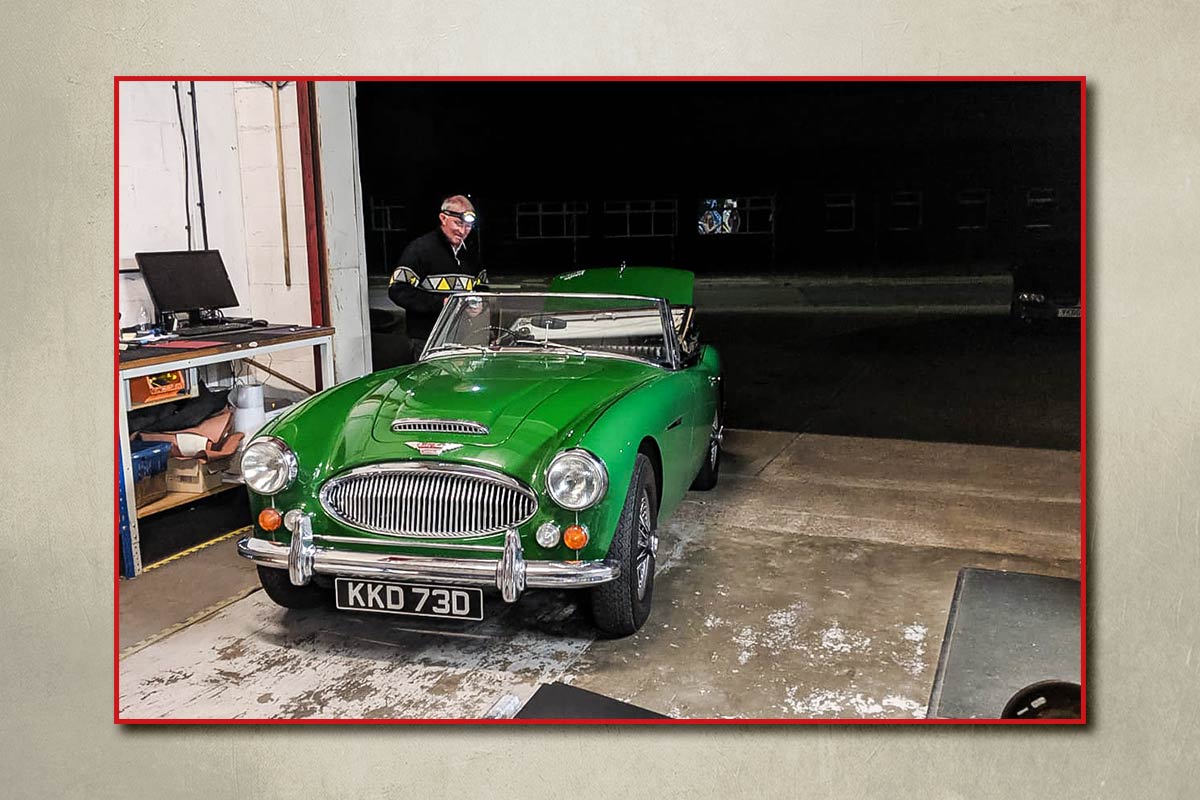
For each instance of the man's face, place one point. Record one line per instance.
(454, 227)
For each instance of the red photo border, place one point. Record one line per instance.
(1083, 386)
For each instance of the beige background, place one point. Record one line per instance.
(56, 506)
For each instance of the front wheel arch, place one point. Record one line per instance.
(649, 448)
(622, 606)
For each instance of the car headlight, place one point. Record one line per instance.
(576, 479)
(268, 465)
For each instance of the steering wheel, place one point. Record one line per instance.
(503, 332)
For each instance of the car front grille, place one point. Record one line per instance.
(428, 500)
(439, 426)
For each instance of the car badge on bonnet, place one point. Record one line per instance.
(433, 448)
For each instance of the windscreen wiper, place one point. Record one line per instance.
(546, 344)
(456, 346)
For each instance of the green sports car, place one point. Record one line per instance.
(538, 442)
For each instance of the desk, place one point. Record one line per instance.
(141, 361)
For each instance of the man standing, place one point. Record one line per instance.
(438, 262)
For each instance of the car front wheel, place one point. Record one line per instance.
(621, 607)
(706, 478)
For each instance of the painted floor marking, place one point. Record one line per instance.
(195, 549)
(192, 620)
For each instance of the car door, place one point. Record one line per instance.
(699, 388)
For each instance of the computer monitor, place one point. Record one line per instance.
(186, 282)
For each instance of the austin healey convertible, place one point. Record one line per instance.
(538, 443)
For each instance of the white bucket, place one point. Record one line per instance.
(248, 414)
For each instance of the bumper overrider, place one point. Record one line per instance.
(511, 574)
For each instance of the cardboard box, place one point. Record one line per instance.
(193, 476)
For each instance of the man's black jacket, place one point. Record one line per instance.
(426, 255)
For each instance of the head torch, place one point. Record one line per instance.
(468, 217)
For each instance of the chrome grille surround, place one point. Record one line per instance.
(428, 500)
(439, 426)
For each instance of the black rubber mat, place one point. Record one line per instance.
(560, 701)
(1006, 631)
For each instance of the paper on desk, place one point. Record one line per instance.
(185, 344)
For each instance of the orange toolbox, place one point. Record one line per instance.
(168, 385)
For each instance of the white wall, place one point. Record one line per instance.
(241, 195)
(151, 174)
(344, 235)
(259, 161)
(264, 242)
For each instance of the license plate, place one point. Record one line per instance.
(1069, 312)
(413, 599)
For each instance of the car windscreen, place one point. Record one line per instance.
(493, 323)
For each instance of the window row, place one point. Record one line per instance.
(904, 211)
(644, 218)
(971, 206)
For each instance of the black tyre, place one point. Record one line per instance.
(621, 607)
(1046, 700)
(706, 478)
(281, 589)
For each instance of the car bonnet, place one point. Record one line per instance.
(501, 393)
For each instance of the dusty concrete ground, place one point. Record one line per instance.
(172, 592)
(814, 582)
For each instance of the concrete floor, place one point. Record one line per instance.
(174, 593)
(815, 581)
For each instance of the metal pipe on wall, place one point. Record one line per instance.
(187, 192)
(199, 171)
(287, 262)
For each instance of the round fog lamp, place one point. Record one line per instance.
(292, 519)
(547, 535)
(269, 519)
(575, 537)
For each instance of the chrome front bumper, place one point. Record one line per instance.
(511, 574)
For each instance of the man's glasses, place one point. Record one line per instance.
(468, 217)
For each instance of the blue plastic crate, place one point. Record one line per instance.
(148, 458)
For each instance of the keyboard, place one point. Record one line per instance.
(213, 330)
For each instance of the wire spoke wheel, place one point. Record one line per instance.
(714, 445)
(621, 606)
(646, 545)
(710, 467)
